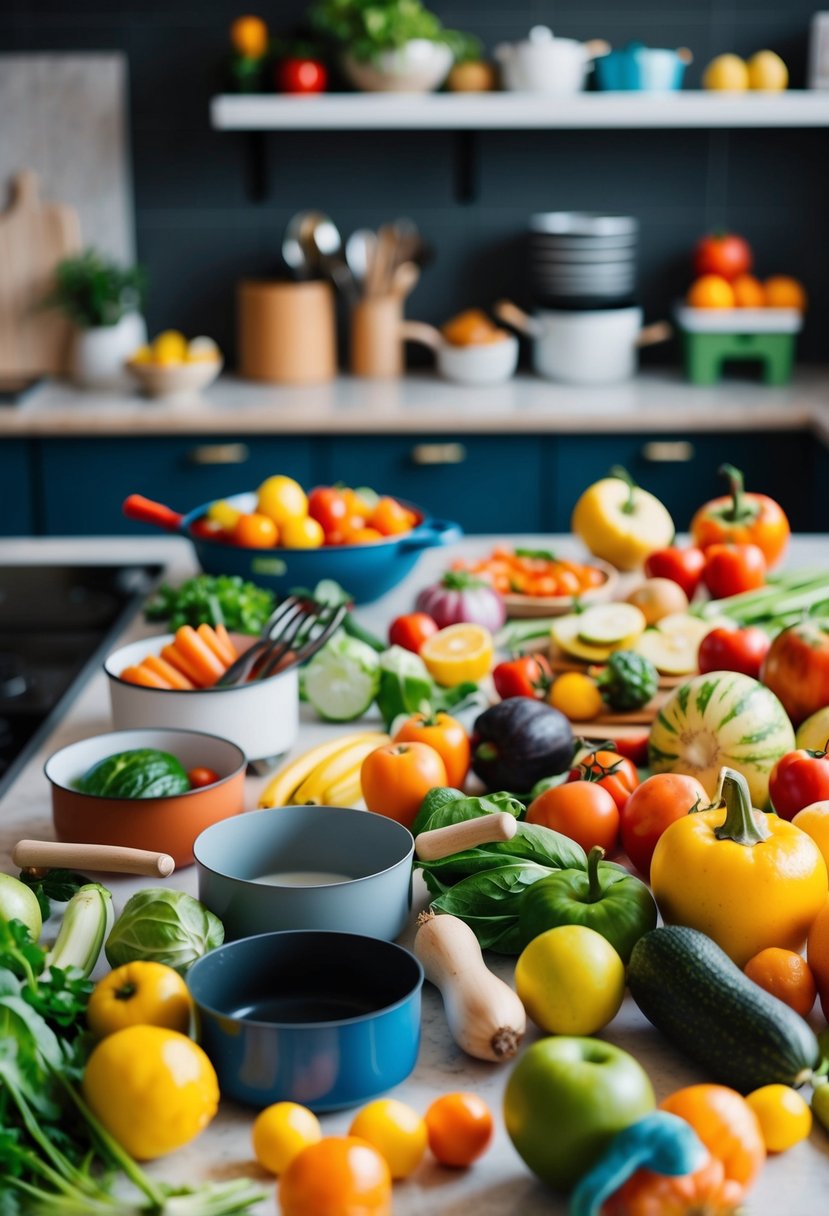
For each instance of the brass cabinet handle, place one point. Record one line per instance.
(438, 453)
(677, 451)
(219, 453)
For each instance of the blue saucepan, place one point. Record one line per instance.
(366, 571)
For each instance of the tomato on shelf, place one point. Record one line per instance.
(724, 254)
(301, 75)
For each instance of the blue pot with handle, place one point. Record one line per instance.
(365, 571)
(641, 68)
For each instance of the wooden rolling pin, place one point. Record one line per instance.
(113, 859)
(443, 842)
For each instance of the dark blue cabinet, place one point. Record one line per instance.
(17, 515)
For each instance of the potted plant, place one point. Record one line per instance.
(389, 45)
(103, 301)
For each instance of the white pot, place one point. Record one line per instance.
(98, 355)
(587, 347)
(417, 67)
(544, 64)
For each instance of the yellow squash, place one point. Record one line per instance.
(747, 879)
(620, 522)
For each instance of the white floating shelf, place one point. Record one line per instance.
(517, 111)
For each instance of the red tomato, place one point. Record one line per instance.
(798, 779)
(581, 810)
(682, 566)
(328, 507)
(634, 747)
(609, 770)
(732, 569)
(200, 777)
(652, 807)
(723, 253)
(411, 630)
(734, 650)
(528, 676)
(301, 76)
(797, 668)
(747, 519)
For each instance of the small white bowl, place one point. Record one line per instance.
(174, 379)
(261, 717)
(488, 363)
(419, 66)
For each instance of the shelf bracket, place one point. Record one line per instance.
(256, 156)
(467, 177)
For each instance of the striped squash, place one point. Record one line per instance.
(722, 718)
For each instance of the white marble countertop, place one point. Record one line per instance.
(655, 400)
(497, 1185)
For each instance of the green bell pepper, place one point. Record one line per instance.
(605, 898)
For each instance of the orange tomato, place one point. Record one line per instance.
(446, 735)
(706, 1191)
(748, 292)
(582, 810)
(460, 1127)
(785, 975)
(255, 531)
(391, 518)
(743, 519)
(397, 777)
(249, 37)
(726, 1125)
(710, 291)
(362, 536)
(356, 505)
(337, 1176)
(817, 953)
(784, 292)
(609, 770)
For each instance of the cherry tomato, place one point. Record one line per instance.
(200, 777)
(797, 780)
(328, 507)
(731, 569)
(527, 676)
(397, 777)
(634, 747)
(582, 810)
(301, 76)
(723, 253)
(255, 531)
(682, 566)
(742, 518)
(609, 770)
(734, 650)
(447, 736)
(391, 518)
(460, 1127)
(411, 630)
(651, 808)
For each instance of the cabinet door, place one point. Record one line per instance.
(17, 516)
(484, 483)
(682, 470)
(85, 481)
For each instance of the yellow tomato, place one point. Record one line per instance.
(576, 696)
(139, 994)
(814, 821)
(570, 980)
(249, 37)
(396, 1131)
(621, 522)
(224, 514)
(154, 1090)
(301, 533)
(784, 1117)
(280, 1132)
(458, 653)
(282, 499)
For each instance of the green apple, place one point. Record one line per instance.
(19, 902)
(565, 1100)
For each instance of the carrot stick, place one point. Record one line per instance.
(167, 672)
(180, 661)
(142, 675)
(219, 646)
(199, 654)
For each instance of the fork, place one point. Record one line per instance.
(297, 625)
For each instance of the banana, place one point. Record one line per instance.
(341, 766)
(346, 792)
(279, 790)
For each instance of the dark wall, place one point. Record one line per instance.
(198, 231)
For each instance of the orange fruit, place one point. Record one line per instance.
(249, 37)
(254, 531)
(784, 292)
(337, 1176)
(710, 291)
(748, 292)
(814, 821)
(458, 653)
(460, 1128)
(817, 952)
(785, 975)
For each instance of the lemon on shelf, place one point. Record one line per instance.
(768, 72)
(726, 74)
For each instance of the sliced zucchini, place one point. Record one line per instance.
(610, 624)
(564, 635)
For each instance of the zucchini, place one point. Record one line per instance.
(610, 624)
(690, 990)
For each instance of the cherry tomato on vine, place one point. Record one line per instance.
(797, 780)
(411, 630)
(527, 676)
(734, 650)
(609, 770)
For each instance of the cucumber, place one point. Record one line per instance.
(565, 636)
(690, 990)
(610, 624)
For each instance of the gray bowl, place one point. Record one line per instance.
(327, 868)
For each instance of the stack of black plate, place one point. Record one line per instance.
(580, 260)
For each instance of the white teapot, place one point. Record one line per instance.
(544, 64)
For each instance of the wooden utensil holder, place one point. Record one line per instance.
(287, 332)
(377, 337)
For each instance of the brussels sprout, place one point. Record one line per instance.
(163, 926)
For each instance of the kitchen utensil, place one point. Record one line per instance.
(286, 332)
(367, 570)
(370, 853)
(328, 1020)
(169, 823)
(307, 233)
(360, 249)
(643, 68)
(260, 716)
(484, 363)
(34, 237)
(580, 224)
(45, 855)
(404, 279)
(711, 337)
(544, 64)
(582, 261)
(175, 381)
(443, 842)
(294, 632)
(419, 66)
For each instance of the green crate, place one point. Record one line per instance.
(705, 353)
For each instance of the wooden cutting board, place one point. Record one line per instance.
(34, 237)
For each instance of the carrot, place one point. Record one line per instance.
(167, 672)
(199, 655)
(143, 675)
(181, 662)
(218, 642)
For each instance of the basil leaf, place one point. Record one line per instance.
(440, 813)
(531, 843)
(489, 902)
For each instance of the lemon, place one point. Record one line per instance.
(170, 347)
(280, 1132)
(301, 533)
(767, 71)
(143, 355)
(458, 653)
(281, 498)
(727, 74)
(570, 980)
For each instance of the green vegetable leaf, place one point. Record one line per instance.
(489, 903)
(439, 809)
(163, 926)
(242, 607)
(57, 885)
(532, 842)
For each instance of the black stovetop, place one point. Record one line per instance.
(56, 622)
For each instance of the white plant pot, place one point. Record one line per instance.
(98, 355)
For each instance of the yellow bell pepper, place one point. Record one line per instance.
(620, 522)
(747, 879)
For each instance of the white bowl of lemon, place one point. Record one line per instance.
(172, 366)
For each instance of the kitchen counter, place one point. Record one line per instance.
(497, 1185)
(654, 400)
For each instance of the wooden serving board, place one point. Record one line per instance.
(34, 237)
(561, 662)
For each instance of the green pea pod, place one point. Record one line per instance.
(605, 898)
